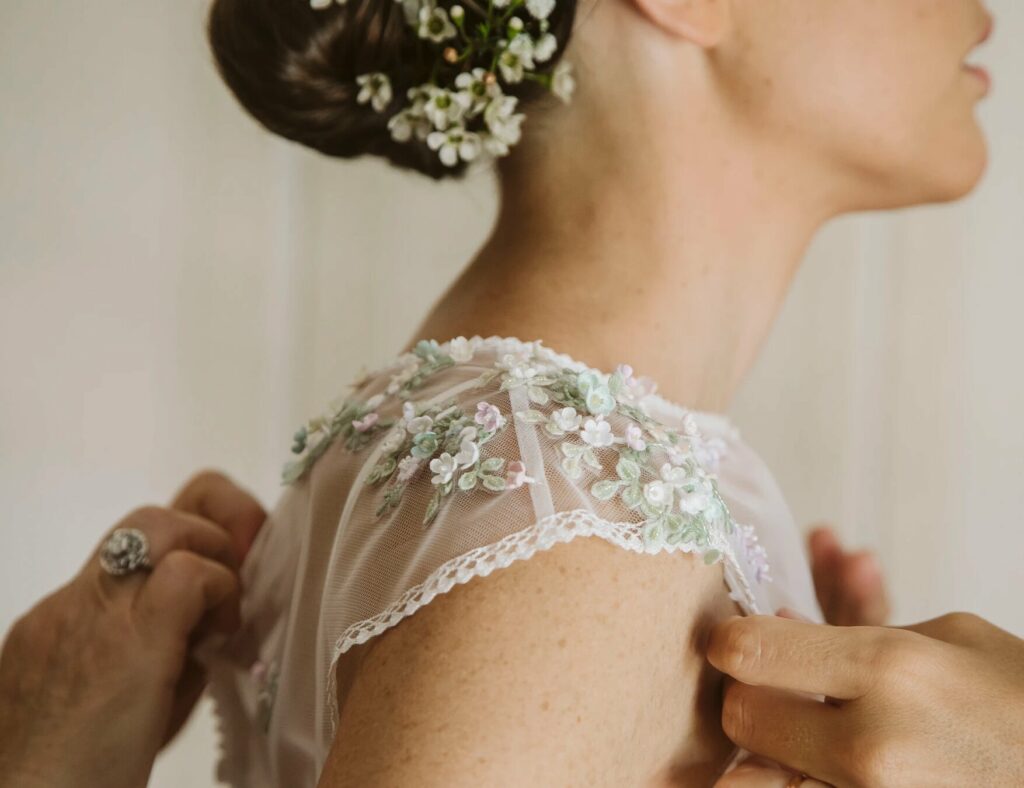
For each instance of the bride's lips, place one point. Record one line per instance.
(977, 71)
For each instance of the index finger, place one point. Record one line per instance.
(214, 496)
(797, 656)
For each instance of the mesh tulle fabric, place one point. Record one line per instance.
(331, 570)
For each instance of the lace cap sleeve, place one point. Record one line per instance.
(476, 453)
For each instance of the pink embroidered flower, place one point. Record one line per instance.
(365, 423)
(489, 417)
(517, 475)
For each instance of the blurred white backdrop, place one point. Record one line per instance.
(179, 290)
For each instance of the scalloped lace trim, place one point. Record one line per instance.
(558, 528)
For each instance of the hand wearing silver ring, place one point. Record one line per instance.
(98, 676)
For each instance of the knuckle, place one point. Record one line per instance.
(148, 513)
(962, 622)
(183, 565)
(873, 759)
(205, 478)
(738, 645)
(737, 718)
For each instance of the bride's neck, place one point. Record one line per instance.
(675, 265)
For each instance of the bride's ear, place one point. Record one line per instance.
(704, 22)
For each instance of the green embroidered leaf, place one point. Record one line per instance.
(628, 470)
(531, 416)
(537, 395)
(432, 508)
(572, 450)
(492, 465)
(591, 459)
(711, 556)
(571, 465)
(605, 490)
(493, 483)
(632, 496)
(467, 481)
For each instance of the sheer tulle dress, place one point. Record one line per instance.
(455, 461)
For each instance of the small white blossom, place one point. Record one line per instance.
(468, 454)
(474, 85)
(516, 58)
(540, 9)
(563, 420)
(419, 424)
(376, 89)
(597, 432)
(697, 498)
(445, 108)
(503, 124)
(407, 123)
(407, 468)
(658, 493)
(443, 468)
(563, 85)
(435, 25)
(690, 428)
(393, 441)
(670, 474)
(454, 144)
(374, 402)
(489, 417)
(544, 47)
(461, 349)
(457, 12)
(635, 438)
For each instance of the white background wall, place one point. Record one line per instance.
(178, 289)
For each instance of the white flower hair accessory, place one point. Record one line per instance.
(462, 111)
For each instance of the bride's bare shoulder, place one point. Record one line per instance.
(581, 666)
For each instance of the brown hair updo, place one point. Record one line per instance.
(294, 68)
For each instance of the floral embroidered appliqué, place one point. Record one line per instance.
(667, 476)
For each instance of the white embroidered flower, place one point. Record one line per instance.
(690, 428)
(562, 421)
(461, 349)
(393, 441)
(468, 454)
(443, 468)
(445, 108)
(519, 368)
(517, 476)
(697, 498)
(635, 438)
(375, 88)
(597, 432)
(454, 144)
(600, 401)
(374, 402)
(489, 417)
(408, 468)
(677, 455)
(419, 424)
(410, 366)
(516, 57)
(708, 453)
(503, 124)
(540, 9)
(658, 494)
(544, 47)
(434, 24)
(670, 474)
(366, 423)
(562, 82)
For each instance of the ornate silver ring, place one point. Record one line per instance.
(126, 550)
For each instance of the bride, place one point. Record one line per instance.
(496, 557)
